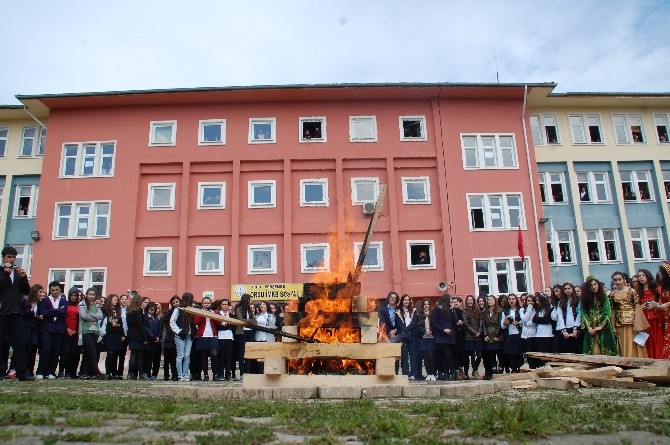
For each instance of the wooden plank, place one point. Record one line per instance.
(357, 319)
(616, 383)
(515, 377)
(559, 383)
(622, 362)
(606, 372)
(385, 367)
(291, 330)
(310, 350)
(301, 381)
(369, 334)
(274, 366)
(656, 374)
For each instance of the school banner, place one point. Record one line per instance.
(269, 292)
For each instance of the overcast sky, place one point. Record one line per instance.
(51, 47)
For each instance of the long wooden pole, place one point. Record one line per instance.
(368, 235)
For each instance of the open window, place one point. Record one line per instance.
(312, 129)
(421, 254)
(412, 128)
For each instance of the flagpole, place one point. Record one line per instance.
(552, 236)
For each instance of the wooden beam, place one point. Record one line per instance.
(616, 383)
(606, 372)
(656, 374)
(301, 381)
(358, 319)
(335, 350)
(622, 362)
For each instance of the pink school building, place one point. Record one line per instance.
(201, 189)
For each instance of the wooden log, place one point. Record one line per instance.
(622, 362)
(369, 334)
(559, 383)
(291, 330)
(656, 374)
(616, 383)
(385, 367)
(606, 372)
(309, 350)
(274, 366)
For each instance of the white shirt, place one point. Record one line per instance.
(225, 334)
(529, 328)
(570, 320)
(265, 319)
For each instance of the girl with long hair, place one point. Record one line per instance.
(226, 341)
(511, 324)
(472, 320)
(492, 335)
(244, 311)
(628, 317)
(544, 333)
(28, 306)
(137, 339)
(443, 326)
(650, 297)
(167, 342)
(113, 333)
(427, 346)
(529, 330)
(89, 331)
(569, 318)
(152, 350)
(181, 324)
(207, 341)
(69, 354)
(663, 278)
(407, 319)
(597, 319)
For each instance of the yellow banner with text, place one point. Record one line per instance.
(269, 292)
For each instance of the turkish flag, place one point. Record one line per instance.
(520, 245)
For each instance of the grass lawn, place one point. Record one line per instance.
(128, 412)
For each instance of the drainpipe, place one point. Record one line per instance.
(532, 182)
(34, 118)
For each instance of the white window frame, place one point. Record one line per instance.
(273, 193)
(433, 260)
(74, 219)
(56, 272)
(81, 158)
(24, 257)
(422, 128)
(425, 180)
(304, 267)
(598, 236)
(643, 236)
(635, 185)
(201, 131)
(379, 263)
(563, 237)
(482, 151)
(354, 120)
(148, 251)
(492, 273)
(354, 190)
(662, 120)
(153, 125)
(584, 126)
(32, 208)
(4, 141)
(504, 210)
(301, 135)
(2, 193)
(202, 205)
(150, 195)
(199, 250)
(592, 184)
(37, 144)
(539, 124)
(323, 182)
(548, 178)
(272, 137)
(666, 184)
(623, 125)
(272, 248)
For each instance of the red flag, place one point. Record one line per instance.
(520, 245)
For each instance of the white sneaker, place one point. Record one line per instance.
(431, 378)
(412, 377)
(39, 377)
(51, 377)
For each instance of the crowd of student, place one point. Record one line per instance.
(457, 335)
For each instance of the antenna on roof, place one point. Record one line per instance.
(495, 58)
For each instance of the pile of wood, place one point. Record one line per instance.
(571, 371)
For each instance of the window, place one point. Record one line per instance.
(88, 160)
(314, 258)
(209, 260)
(82, 220)
(544, 129)
(501, 276)
(262, 259)
(561, 242)
(666, 184)
(212, 132)
(157, 261)
(628, 128)
(374, 257)
(602, 245)
(4, 137)
(495, 212)
(635, 186)
(412, 128)
(416, 190)
(80, 278)
(489, 151)
(585, 128)
(362, 129)
(211, 195)
(552, 188)
(2, 194)
(25, 203)
(421, 254)
(550, 247)
(24, 256)
(161, 196)
(163, 133)
(661, 123)
(314, 192)
(262, 131)
(647, 244)
(262, 193)
(364, 190)
(593, 187)
(32, 141)
(312, 129)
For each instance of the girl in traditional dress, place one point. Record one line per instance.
(628, 317)
(650, 297)
(597, 319)
(663, 278)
